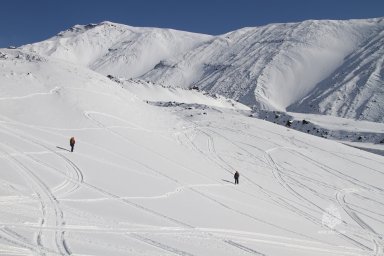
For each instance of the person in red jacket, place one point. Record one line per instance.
(72, 143)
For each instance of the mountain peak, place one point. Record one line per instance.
(78, 29)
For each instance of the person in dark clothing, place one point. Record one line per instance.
(72, 143)
(236, 176)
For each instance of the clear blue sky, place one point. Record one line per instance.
(28, 21)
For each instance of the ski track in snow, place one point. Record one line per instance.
(45, 196)
(45, 193)
(160, 245)
(242, 247)
(277, 174)
(52, 91)
(376, 238)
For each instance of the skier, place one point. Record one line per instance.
(236, 176)
(72, 143)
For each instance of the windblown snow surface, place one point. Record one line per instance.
(152, 172)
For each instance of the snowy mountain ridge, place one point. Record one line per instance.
(273, 67)
(111, 48)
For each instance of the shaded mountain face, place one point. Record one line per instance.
(327, 67)
(355, 90)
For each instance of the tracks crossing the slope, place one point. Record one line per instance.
(76, 179)
(280, 176)
(47, 200)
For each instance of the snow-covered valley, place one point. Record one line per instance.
(153, 164)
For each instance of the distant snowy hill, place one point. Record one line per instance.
(328, 67)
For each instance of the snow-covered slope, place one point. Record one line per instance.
(273, 67)
(355, 90)
(157, 179)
